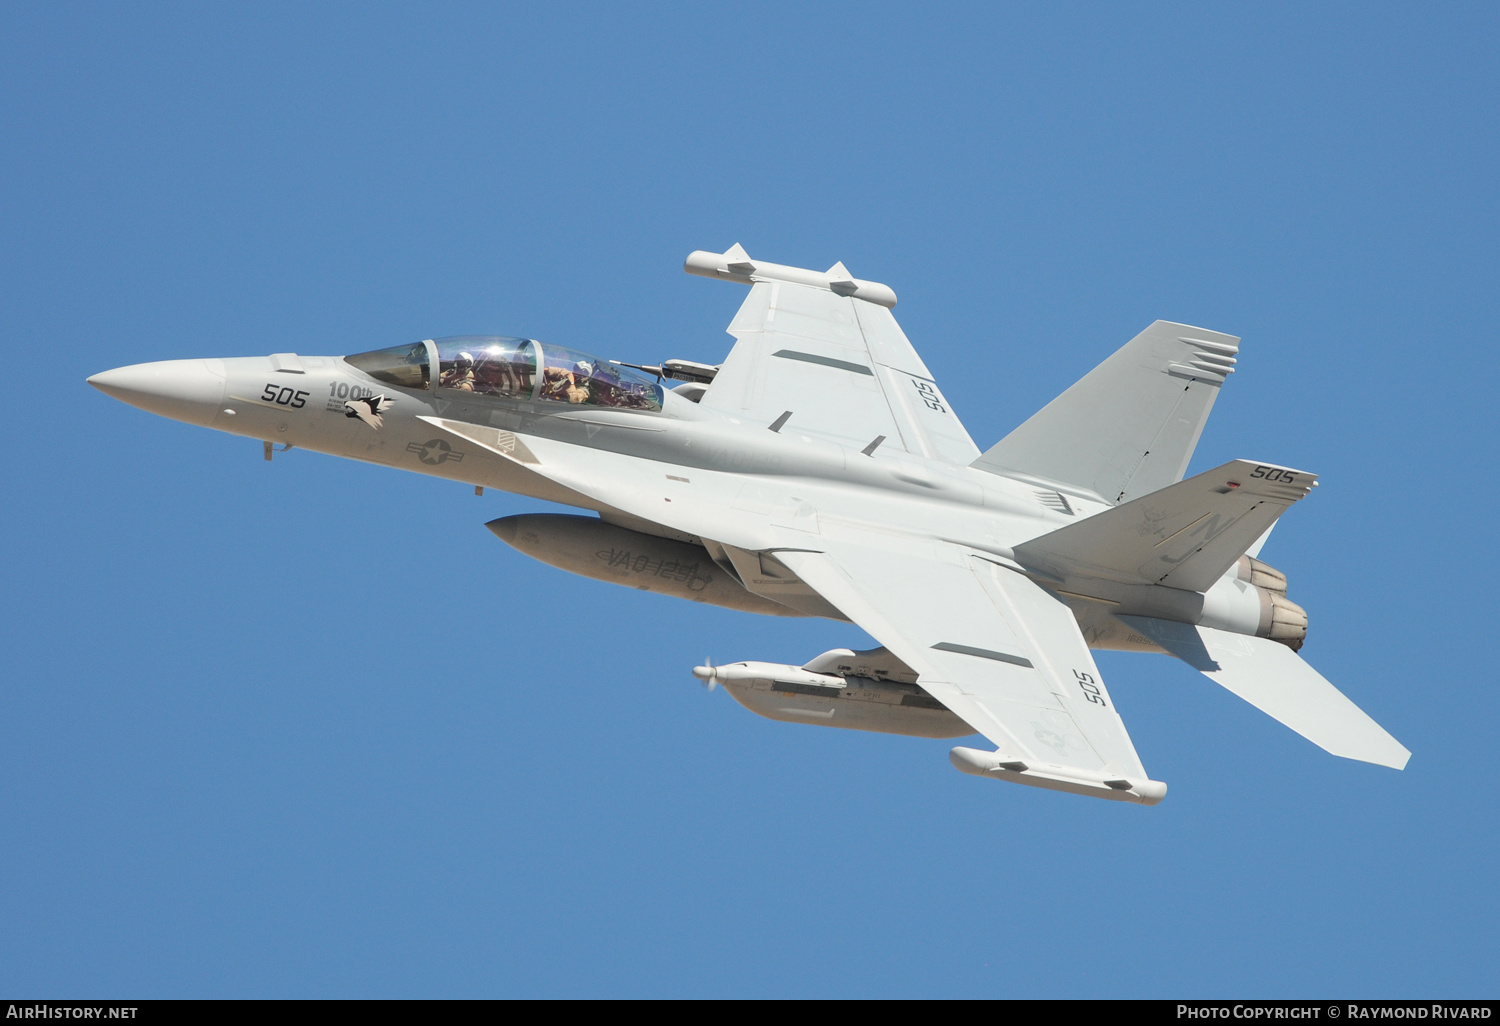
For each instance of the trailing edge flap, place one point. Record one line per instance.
(1130, 425)
(1280, 684)
(695, 502)
(1184, 536)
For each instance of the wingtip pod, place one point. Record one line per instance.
(997, 766)
(736, 265)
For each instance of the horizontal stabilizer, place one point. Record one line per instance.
(1130, 425)
(1184, 536)
(1280, 684)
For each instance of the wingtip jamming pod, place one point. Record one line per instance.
(736, 265)
(998, 766)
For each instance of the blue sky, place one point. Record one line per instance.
(308, 729)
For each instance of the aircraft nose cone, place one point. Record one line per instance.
(188, 390)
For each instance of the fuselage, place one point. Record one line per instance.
(381, 407)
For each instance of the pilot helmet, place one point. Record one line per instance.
(464, 361)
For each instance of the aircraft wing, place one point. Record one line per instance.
(841, 367)
(995, 648)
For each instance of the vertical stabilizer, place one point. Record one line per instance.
(1130, 425)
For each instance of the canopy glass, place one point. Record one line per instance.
(514, 368)
(404, 366)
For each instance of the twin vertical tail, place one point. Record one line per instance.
(1128, 427)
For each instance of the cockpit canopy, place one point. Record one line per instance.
(488, 365)
(514, 368)
(403, 366)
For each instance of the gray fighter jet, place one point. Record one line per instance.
(819, 471)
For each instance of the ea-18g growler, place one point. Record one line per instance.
(819, 471)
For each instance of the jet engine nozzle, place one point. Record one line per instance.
(1282, 620)
(1251, 599)
(1253, 571)
(1262, 608)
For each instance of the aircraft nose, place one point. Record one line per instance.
(187, 390)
